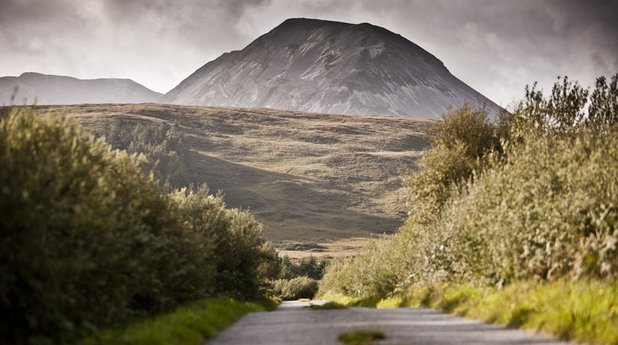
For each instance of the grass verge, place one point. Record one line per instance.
(584, 311)
(191, 324)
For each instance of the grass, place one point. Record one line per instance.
(361, 337)
(309, 177)
(191, 324)
(584, 311)
(328, 306)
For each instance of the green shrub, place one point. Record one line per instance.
(89, 240)
(299, 287)
(549, 212)
(603, 110)
(542, 206)
(164, 146)
(459, 142)
(377, 271)
(305, 267)
(567, 110)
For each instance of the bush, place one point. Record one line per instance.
(460, 141)
(567, 110)
(549, 212)
(164, 147)
(541, 206)
(299, 287)
(377, 271)
(89, 240)
(305, 267)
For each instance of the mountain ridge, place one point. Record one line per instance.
(307, 65)
(31, 87)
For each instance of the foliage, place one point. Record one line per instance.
(239, 255)
(164, 146)
(298, 279)
(568, 109)
(327, 306)
(549, 212)
(190, 324)
(377, 271)
(88, 240)
(603, 110)
(299, 287)
(460, 140)
(305, 267)
(542, 205)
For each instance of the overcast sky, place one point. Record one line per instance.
(497, 47)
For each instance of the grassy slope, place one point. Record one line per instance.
(306, 176)
(585, 311)
(192, 324)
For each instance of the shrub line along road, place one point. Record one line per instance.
(294, 323)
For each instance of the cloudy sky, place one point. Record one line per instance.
(497, 47)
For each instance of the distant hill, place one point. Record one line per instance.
(53, 89)
(329, 67)
(306, 176)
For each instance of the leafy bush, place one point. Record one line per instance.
(378, 270)
(550, 211)
(541, 205)
(568, 109)
(87, 239)
(603, 110)
(460, 140)
(305, 267)
(299, 287)
(164, 146)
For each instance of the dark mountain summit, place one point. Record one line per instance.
(55, 89)
(330, 67)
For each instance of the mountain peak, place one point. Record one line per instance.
(310, 22)
(332, 67)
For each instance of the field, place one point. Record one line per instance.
(308, 177)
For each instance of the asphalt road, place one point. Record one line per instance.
(295, 324)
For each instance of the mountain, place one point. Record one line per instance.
(329, 67)
(55, 89)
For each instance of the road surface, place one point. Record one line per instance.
(294, 323)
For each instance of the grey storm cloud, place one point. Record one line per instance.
(495, 46)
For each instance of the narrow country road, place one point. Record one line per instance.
(293, 323)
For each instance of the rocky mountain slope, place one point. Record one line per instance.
(53, 89)
(329, 67)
